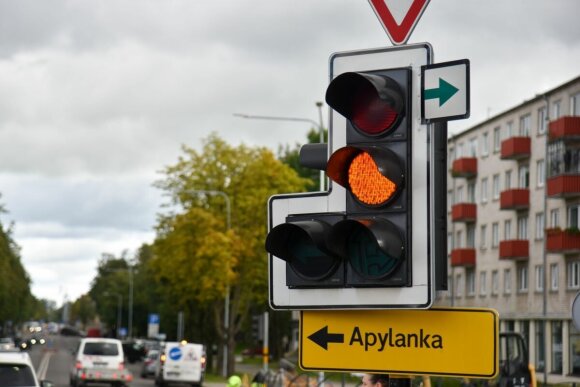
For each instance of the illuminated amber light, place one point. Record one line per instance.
(367, 183)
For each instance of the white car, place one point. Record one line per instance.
(100, 360)
(16, 370)
(181, 362)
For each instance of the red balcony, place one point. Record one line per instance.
(463, 257)
(564, 127)
(464, 212)
(464, 167)
(514, 249)
(515, 199)
(562, 241)
(516, 148)
(564, 186)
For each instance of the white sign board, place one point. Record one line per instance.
(445, 91)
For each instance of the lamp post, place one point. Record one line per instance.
(227, 296)
(318, 125)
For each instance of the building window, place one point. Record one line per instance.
(484, 144)
(540, 343)
(509, 130)
(449, 242)
(573, 274)
(508, 179)
(496, 139)
(522, 227)
(507, 230)
(450, 201)
(494, 235)
(574, 350)
(557, 346)
(540, 226)
(469, 282)
(556, 109)
(459, 195)
(554, 218)
(471, 193)
(473, 147)
(470, 236)
(483, 237)
(459, 239)
(524, 176)
(540, 173)
(575, 105)
(542, 120)
(554, 276)
(484, 190)
(495, 187)
(522, 278)
(494, 282)
(525, 122)
(573, 214)
(483, 283)
(539, 274)
(458, 285)
(507, 281)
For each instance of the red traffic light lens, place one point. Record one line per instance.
(367, 184)
(371, 114)
(374, 103)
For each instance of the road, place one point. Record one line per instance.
(53, 360)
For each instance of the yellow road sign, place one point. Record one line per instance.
(462, 342)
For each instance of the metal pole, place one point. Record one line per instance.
(130, 322)
(227, 296)
(266, 349)
(119, 314)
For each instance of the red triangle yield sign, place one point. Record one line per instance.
(399, 33)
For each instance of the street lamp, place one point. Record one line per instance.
(318, 125)
(227, 297)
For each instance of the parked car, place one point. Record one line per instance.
(99, 360)
(150, 363)
(16, 370)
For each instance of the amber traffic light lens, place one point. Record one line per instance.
(367, 184)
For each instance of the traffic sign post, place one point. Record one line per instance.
(445, 342)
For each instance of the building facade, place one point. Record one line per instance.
(513, 197)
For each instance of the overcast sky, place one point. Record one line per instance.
(98, 96)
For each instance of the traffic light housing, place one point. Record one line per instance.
(365, 243)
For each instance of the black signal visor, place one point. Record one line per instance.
(374, 104)
(302, 244)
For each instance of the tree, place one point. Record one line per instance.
(195, 256)
(17, 304)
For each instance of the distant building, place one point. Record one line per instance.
(513, 195)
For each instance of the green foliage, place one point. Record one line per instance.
(16, 301)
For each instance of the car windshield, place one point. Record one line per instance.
(16, 375)
(103, 349)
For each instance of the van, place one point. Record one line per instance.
(99, 360)
(181, 362)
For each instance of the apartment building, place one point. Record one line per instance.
(513, 225)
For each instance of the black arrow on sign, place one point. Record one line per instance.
(322, 337)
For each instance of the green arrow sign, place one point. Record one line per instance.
(443, 92)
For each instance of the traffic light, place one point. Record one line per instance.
(374, 168)
(365, 243)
